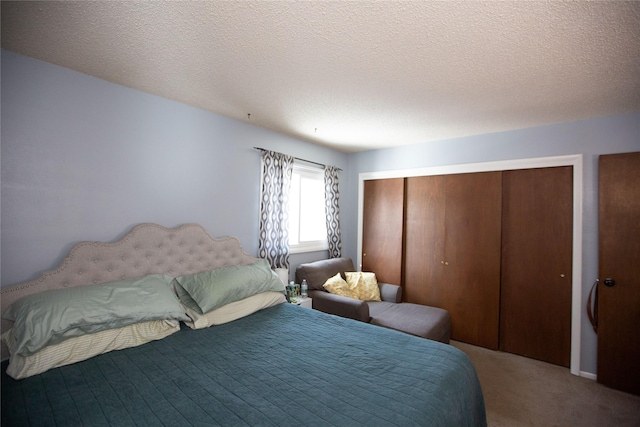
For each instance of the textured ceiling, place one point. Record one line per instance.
(353, 75)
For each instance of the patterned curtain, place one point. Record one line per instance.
(332, 211)
(273, 242)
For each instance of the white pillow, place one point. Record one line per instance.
(234, 310)
(80, 348)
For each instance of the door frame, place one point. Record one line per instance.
(575, 160)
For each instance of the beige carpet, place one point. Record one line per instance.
(524, 392)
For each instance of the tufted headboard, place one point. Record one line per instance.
(146, 249)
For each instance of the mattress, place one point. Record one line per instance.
(284, 365)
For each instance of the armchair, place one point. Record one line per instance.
(428, 322)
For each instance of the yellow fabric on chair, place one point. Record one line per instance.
(363, 285)
(337, 285)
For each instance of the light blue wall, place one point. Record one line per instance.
(85, 159)
(590, 138)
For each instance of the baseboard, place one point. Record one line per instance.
(588, 375)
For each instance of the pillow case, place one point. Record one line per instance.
(364, 285)
(337, 285)
(208, 290)
(50, 317)
(84, 347)
(235, 310)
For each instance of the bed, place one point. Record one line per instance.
(268, 363)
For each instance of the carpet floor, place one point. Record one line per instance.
(524, 392)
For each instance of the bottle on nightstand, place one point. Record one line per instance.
(303, 299)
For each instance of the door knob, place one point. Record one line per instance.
(609, 282)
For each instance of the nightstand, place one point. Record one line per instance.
(302, 302)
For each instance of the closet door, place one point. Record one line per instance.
(424, 242)
(535, 314)
(452, 251)
(472, 256)
(382, 219)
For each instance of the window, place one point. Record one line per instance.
(307, 220)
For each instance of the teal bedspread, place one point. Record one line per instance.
(285, 365)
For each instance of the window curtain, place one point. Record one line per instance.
(273, 241)
(332, 211)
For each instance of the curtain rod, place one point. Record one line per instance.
(298, 158)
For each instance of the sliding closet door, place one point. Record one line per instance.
(472, 256)
(382, 219)
(535, 316)
(424, 242)
(452, 251)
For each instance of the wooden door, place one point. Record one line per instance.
(537, 228)
(472, 256)
(424, 242)
(382, 230)
(452, 251)
(619, 260)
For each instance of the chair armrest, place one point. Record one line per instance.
(389, 292)
(340, 306)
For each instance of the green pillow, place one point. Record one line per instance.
(208, 290)
(51, 317)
